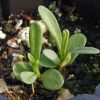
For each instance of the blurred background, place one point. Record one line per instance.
(90, 8)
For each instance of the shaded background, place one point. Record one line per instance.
(16, 6)
(90, 8)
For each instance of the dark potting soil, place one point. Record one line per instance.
(80, 77)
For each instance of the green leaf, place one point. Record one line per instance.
(65, 37)
(31, 58)
(75, 41)
(45, 62)
(35, 40)
(20, 67)
(86, 50)
(73, 57)
(50, 54)
(28, 77)
(66, 60)
(52, 24)
(52, 79)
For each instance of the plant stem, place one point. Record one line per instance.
(36, 69)
(33, 88)
(60, 68)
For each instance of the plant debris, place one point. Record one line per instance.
(3, 86)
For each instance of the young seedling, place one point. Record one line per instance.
(68, 47)
(28, 72)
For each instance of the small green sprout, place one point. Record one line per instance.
(28, 72)
(69, 47)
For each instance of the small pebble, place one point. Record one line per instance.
(64, 94)
(3, 86)
(13, 43)
(2, 35)
(77, 30)
(19, 23)
(4, 55)
(23, 35)
(17, 57)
